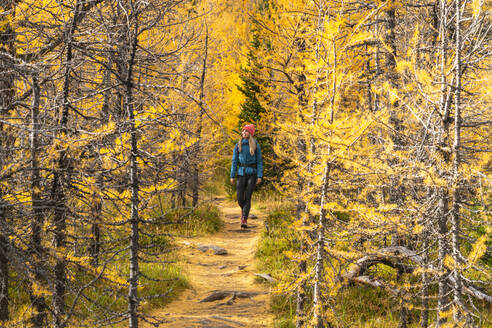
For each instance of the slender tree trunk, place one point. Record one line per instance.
(377, 72)
(307, 217)
(183, 183)
(455, 215)
(61, 184)
(59, 243)
(38, 301)
(301, 146)
(391, 75)
(443, 289)
(4, 269)
(134, 220)
(424, 314)
(105, 110)
(442, 221)
(197, 148)
(7, 45)
(133, 301)
(318, 270)
(368, 81)
(95, 245)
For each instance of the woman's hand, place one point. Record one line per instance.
(233, 181)
(258, 180)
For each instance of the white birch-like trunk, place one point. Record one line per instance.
(455, 216)
(443, 290)
(307, 215)
(424, 315)
(133, 301)
(318, 270)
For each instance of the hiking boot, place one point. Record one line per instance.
(244, 223)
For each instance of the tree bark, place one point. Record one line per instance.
(95, 246)
(38, 301)
(300, 206)
(391, 75)
(7, 45)
(61, 182)
(197, 147)
(443, 289)
(424, 314)
(455, 215)
(318, 270)
(134, 176)
(442, 221)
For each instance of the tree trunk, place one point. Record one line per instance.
(391, 75)
(455, 215)
(4, 271)
(7, 40)
(134, 220)
(318, 270)
(95, 245)
(301, 146)
(134, 176)
(197, 148)
(442, 221)
(442, 300)
(424, 314)
(38, 301)
(61, 184)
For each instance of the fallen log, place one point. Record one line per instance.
(389, 256)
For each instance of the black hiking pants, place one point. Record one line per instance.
(245, 186)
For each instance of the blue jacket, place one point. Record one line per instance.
(246, 158)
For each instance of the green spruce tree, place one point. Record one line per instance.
(252, 110)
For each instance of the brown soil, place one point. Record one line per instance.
(234, 272)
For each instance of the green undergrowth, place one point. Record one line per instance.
(276, 241)
(163, 278)
(160, 283)
(354, 305)
(102, 287)
(105, 297)
(191, 223)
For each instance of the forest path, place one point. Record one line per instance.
(233, 272)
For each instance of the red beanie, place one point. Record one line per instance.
(250, 128)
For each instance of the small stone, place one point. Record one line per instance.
(240, 267)
(266, 276)
(216, 249)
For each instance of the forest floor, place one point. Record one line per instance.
(246, 302)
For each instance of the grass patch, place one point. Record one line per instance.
(190, 223)
(213, 187)
(106, 297)
(161, 279)
(160, 283)
(361, 306)
(276, 242)
(284, 309)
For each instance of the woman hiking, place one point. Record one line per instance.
(248, 165)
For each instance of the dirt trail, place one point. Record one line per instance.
(233, 272)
